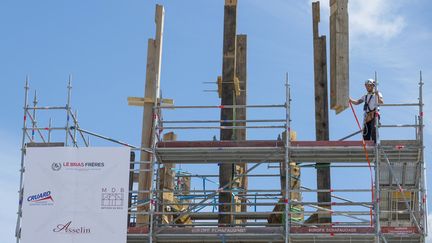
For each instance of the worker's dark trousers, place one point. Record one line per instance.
(369, 131)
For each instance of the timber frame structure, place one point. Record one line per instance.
(397, 214)
(396, 210)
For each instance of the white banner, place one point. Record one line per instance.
(75, 195)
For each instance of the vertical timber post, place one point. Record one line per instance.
(241, 73)
(228, 96)
(154, 56)
(321, 109)
(166, 184)
(339, 55)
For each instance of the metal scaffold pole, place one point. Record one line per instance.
(35, 101)
(68, 109)
(423, 185)
(32, 117)
(286, 161)
(154, 176)
(377, 170)
(74, 139)
(76, 127)
(21, 189)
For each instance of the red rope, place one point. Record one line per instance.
(368, 160)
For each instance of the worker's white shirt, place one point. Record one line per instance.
(372, 102)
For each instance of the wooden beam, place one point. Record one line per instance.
(320, 74)
(241, 99)
(152, 86)
(321, 108)
(295, 185)
(143, 183)
(339, 55)
(170, 137)
(139, 101)
(228, 96)
(167, 178)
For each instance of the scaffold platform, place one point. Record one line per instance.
(396, 167)
(276, 234)
(273, 151)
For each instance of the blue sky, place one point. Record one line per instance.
(103, 45)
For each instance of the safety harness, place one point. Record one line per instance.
(366, 107)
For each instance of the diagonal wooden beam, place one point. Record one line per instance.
(152, 87)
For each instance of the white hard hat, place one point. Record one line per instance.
(370, 81)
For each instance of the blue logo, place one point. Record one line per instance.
(43, 198)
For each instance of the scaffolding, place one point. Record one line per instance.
(396, 212)
(36, 134)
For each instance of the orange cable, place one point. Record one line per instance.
(367, 158)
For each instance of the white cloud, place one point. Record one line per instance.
(376, 19)
(370, 19)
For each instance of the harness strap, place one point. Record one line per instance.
(366, 107)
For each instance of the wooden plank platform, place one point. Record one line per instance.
(265, 151)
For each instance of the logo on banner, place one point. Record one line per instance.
(77, 166)
(68, 229)
(112, 198)
(56, 166)
(43, 198)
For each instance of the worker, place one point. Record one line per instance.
(370, 108)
